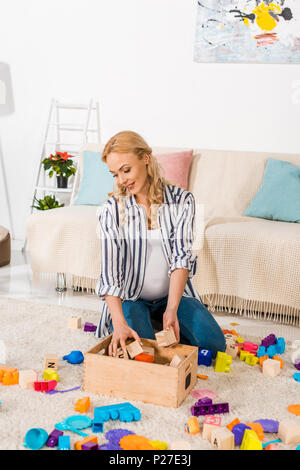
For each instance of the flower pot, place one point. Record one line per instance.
(62, 181)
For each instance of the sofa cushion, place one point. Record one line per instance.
(176, 167)
(278, 198)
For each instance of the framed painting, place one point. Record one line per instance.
(248, 31)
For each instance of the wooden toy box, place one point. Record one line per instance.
(156, 383)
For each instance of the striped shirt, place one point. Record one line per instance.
(124, 246)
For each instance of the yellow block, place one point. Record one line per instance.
(50, 374)
(158, 445)
(250, 441)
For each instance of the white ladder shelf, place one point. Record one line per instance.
(58, 144)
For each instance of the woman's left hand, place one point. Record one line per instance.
(170, 320)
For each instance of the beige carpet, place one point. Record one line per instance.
(32, 330)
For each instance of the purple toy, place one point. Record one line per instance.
(89, 327)
(115, 435)
(297, 364)
(52, 440)
(269, 340)
(109, 446)
(199, 409)
(89, 446)
(268, 425)
(238, 431)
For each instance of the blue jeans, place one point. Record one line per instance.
(197, 325)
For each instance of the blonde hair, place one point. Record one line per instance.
(129, 141)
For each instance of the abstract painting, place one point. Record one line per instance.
(248, 31)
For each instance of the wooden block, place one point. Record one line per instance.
(120, 354)
(271, 367)
(176, 361)
(208, 429)
(134, 349)
(165, 338)
(51, 361)
(222, 438)
(231, 349)
(289, 431)
(27, 378)
(74, 323)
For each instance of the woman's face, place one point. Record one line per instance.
(129, 171)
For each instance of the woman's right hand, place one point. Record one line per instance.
(120, 334)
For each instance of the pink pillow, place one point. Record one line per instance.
(176, 167)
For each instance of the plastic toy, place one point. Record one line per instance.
(269, 340)
(262, 359)
(209, 409)
(134, 442)
(280, 345)
(27, 378)
(202, 377)
(9, 375)
(271, 447)
(204, 357)
(271, 367)
(78, 444)
(251, 347)
(232, 424)
(75, 423)
(262, 351)
(223, 362)
(148, 355)
(272, 351)
(268, 425)
(75, 357)
(192, 426)
(277, 358)
(257, 427)
(114, 435)
(74, 323)
(297, 364)
(222, 439)
(64, 443)
(97, 426)
(296, 376)
(82, 405)
(176, 361)
(203, 393)
(265, 445)
(90, 446)
(50, 374)
(240, 340)
(159, 445)
(52, 440)
(89, 327)
(251, 360)
(35, 438)
(238, 431)
(250, 441)
(204, 401)
(52, 392)
(215, 420)
(51, 362)
(44, 386)
(124, 412)
(289, 431)
(165, 338)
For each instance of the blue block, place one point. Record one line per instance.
(297, 376)
(272, 350)
(64, 443)
(204, 357)
(280, 346)
(261, 351)
(238, 431)
(97, 426)
(123, 411)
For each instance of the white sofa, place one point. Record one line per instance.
(245, 265)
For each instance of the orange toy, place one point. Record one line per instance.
(9, 375)
(233, 423)
(143, 357)
(295, 409)
(203, 377)
(82, 405)
(79, 444)
(262, 359)
(277, 358)
(257, 427)
(231, 332)
(133, 442)
(192, 426)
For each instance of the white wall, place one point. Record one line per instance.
(136, 58)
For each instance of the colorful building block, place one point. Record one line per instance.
(123, 411)
(50, 374)
(165, 338)
(238, 430)
(44, 386)
(147, 355)
(250, 441)
(280, 345)
(251, 347)
(222, 439)
(257, 427)
(289, 431)
(78, 444)
(215, 420)
(262, 351)
(268, 425)
(82, 405)
(199, 409)
(232, 424)
(223, 362)
(51, 362)
(277, 358)
(27, 378)
(269, 340)
(89, 327)
(52, 440)
(251, 360)
(272, 351)
(97, 426)
(204, 357)
(192, 426)
(89, 446)
(9, 375)
(271, 367)
(64, 443)
(272, 447)
(74, 323)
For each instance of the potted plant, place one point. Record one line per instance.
(49, 202)
(61, 164)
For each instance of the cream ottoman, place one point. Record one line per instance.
(4, 246)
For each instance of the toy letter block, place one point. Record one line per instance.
(134, 349)
(165, 338)
(51, 361)
(27, 378)
(215, 420)
(177, 360)
(271, 367)
(85, 440)
(222, 439)
(223, 362)
(204, 357)
(289, 431)
(207, 430)
(74, 323)
(82, 405)
(250, 441)
(232, 350)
